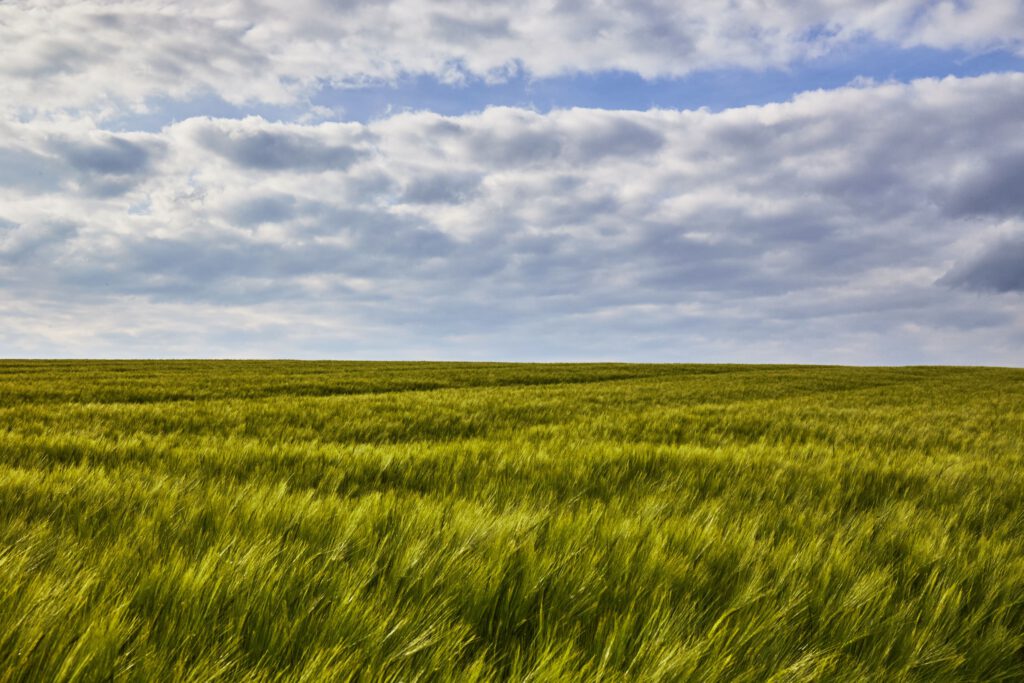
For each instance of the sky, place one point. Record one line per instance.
(814, 181)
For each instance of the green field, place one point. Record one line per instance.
(287, 521)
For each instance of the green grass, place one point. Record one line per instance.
(423, 521)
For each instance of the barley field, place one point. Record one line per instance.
(310, 521)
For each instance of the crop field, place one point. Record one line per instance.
(287, 521)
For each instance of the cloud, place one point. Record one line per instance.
(450, 29)
(1000, 268)
(109, 53)
(994, 187)
(257, 210)
(104, 164)
(441, 188)
(27, 171)
(819, 229)
(22, 245)
(274, 148)
(603, 138)
(113, 156)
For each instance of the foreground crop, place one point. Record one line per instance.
(325, 521)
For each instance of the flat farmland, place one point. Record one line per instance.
(306, 521)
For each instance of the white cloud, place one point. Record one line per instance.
(104, 54)
(866, 224)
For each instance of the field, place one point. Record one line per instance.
(288, 521)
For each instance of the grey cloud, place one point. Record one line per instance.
(510, 137)
(236, 269)
(349, 6)
(579, 211)
(277, 150)
(675, 269)
(618, 137)
(441, 188)
(521, 147)
(443, 127)
(109, 165)
(368, 185)
(228, 271)
(106, 168)
(113, 156)
(960, 316)
(24, 243)
(649, 31)
(54, 58)
(28, 171)
(273, 209)
(198, 263)
(998, 189)
(108, 187)
(1000, 269)
(460, 31)
(378, 234)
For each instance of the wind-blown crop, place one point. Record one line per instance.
(424, 521)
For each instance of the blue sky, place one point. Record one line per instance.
(642, 181)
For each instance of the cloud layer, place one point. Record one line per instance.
(870, 224)
(107, 54)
